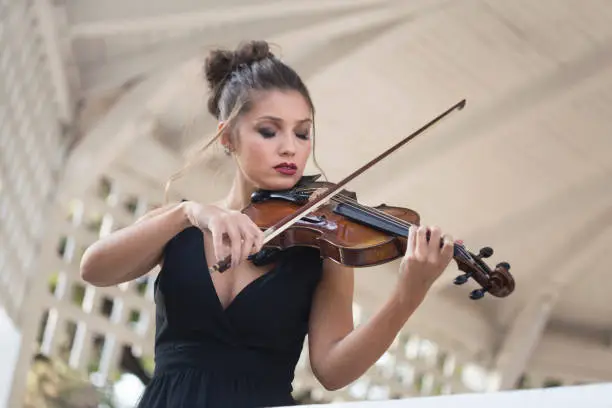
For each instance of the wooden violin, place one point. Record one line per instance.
(356, 235)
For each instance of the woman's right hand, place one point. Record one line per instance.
(233, 233)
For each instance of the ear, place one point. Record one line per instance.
(224, 137)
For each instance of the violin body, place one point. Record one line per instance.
(334, 229)
(359, 236)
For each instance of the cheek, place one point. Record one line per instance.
(305, 151)
(257, 152)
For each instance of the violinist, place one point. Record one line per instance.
(233, 339)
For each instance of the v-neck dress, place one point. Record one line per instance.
(241, 356)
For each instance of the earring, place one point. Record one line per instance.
(227, 150)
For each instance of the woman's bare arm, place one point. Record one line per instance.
(133, 251)
(340, 353)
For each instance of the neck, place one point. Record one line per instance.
(239, 195)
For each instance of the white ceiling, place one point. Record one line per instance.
(525, 168)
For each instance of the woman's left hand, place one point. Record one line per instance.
(423, 263)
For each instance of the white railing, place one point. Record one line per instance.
(584, 396)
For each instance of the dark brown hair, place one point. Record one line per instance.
(236, 76)
(233, 77)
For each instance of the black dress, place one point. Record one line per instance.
(243, 356)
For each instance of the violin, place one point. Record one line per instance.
(357, 235)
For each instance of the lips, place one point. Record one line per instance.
(286, 168)
(290, 166)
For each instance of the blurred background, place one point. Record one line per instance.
(100, 101)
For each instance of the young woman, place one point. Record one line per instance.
(233, 339)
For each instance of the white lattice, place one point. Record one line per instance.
(30, 150)
(88, 326)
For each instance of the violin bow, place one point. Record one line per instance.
(313, 205)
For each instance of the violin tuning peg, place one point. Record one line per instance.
(485, 252)
(477, 294)
(461, 279)
(504, 265)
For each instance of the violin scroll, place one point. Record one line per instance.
(497, 282)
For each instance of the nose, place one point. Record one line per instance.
(288, 145)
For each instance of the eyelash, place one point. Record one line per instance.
(268, 133)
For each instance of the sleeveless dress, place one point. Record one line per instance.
(242, 356)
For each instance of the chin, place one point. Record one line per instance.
(279, 182)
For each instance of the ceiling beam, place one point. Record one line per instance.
(196, 19)
(571, 359)
(312, 33)
(126, 121)
(589, 240)
(520, 341)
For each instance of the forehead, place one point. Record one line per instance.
(290, 106)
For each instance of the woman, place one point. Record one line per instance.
(233, 339)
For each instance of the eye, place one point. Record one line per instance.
(267, 132)
(304, 135)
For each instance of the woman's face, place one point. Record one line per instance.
(273, 140)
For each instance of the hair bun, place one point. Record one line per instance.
(252, 51)
(220, 63)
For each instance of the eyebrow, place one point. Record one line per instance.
(277, 119)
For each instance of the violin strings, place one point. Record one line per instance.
(377, 213)
(372, 211)
(388, 217)
(381, 215)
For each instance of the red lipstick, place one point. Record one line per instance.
(288, 169)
